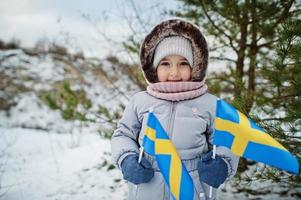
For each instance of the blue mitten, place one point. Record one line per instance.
(212, 171)
(136, 172)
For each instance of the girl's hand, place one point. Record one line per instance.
(136, 172)
(212, 171)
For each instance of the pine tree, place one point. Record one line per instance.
(245, 29)
(281, 103)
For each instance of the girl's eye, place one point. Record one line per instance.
(184, 63)
(164, 63)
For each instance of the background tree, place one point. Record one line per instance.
(244, 33)
(281, 102)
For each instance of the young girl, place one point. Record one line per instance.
(174, 58)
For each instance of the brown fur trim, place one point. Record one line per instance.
(169, 28)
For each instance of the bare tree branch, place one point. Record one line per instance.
(217, 28)
(222, 58)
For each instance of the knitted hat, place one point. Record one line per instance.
(174, 45)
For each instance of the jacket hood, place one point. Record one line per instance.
(174, 27)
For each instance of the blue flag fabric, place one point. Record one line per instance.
(157, 143)
(244, 138)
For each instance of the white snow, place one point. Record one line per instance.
(31, 112)
(39, 68)
(40, 165)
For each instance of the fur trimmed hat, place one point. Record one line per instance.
(174, 27)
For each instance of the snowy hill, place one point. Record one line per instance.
(26, 75)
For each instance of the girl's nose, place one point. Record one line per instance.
(174, 71)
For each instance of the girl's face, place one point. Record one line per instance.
(174, 68)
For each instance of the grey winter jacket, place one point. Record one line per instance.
(189, 124)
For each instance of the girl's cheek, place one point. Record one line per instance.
(186, 74)
(161, 76)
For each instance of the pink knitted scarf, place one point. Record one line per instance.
(177, 91)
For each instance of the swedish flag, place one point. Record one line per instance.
(237, 132)
(176, 176)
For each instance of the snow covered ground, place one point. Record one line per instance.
(38, 165)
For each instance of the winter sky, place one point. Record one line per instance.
(87, 26)
(62, 21)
